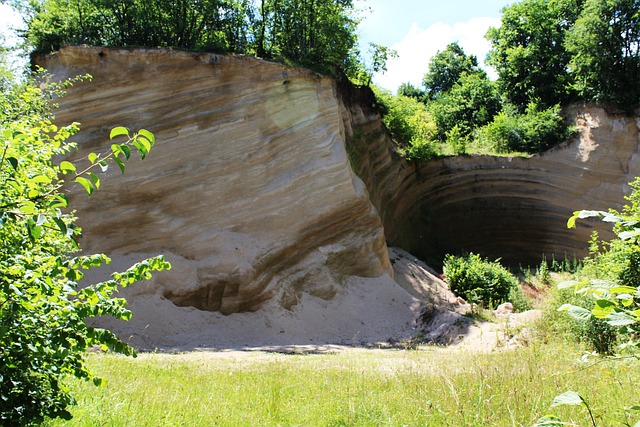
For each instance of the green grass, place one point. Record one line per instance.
(425, 387)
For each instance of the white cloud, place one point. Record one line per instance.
(418, 46)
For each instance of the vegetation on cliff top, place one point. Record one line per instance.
(547, 54)
(317, 34)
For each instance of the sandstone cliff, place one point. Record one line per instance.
(502, 207)
(274, 239)
(249, 193)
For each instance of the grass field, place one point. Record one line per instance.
(429, 386)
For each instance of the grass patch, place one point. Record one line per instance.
(430, 386)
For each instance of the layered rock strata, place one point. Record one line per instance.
(512, 208)
(249, 188)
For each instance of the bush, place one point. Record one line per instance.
(532, 132)
(479, 280)
(410, 123)
(43, 333)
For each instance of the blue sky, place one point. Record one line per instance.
(417, 29)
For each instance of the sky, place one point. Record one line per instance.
(416, 29)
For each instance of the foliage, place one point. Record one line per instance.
(479, 280)
(410, 91)
(446, 68)
(534, 131)
(411, 123)
(43, 334)
(529, 54)
(605, 48)
(557, 51)
(615, 302)
(319, 34)
(470, 102)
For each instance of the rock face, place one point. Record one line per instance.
(249, 188)
(250, 193)
(510, 208)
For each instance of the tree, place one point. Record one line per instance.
(318, 34)
(471, 102)
(528, 51)
(409, 90)
(411, 123)
(445, 69)
(43, 334)
(605, 44)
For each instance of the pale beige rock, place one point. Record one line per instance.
(274, 240)
(248, 192)
(248, 180)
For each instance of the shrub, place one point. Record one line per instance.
(532, 132)
(410, 123)
(479, 280)
(43, 334)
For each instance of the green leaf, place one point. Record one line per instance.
(67, 167)
(88, 185)
(148, 135)
(14, 162)
(36, 231)
(41, 179)
(117, 131)
(576, 312)
(120, 164)
(602, 308)
(103, 166)
(126, 150)
(95, 180)
(92, 157)
(568, 398)
(61, 225)
(623, 290)
(620, 318)
(28, 207)
(568, 284)
(27, 305)
(59, 201)
(142, 148)
(145, 142)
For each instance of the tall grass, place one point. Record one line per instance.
(425, 387)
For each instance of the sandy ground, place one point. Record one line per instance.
(369, 312)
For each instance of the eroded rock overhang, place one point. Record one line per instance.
(512, 208)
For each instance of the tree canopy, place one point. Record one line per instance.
(318, 34)
(445, 69)
(529, 54)
(605, 51)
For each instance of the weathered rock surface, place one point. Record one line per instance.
(510, 208)
(250, 194)
(249, 187)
